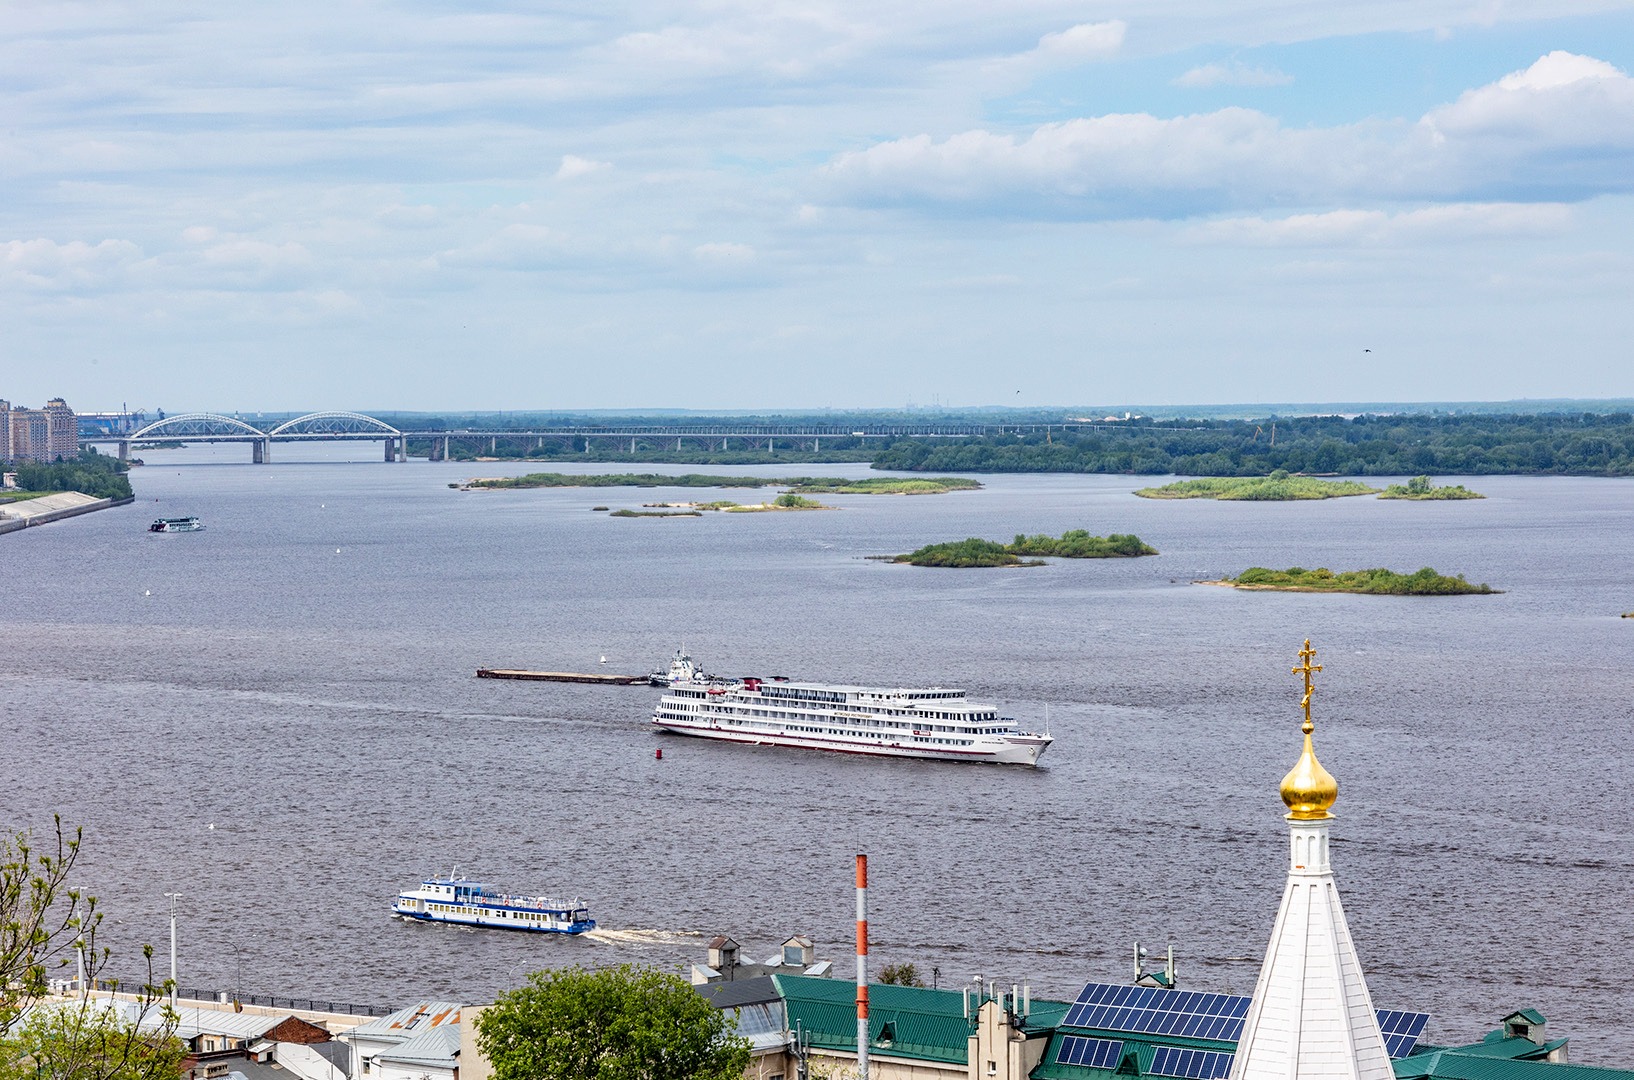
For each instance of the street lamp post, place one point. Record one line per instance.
(173, 897)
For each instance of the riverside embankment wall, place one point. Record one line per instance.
(15, 516)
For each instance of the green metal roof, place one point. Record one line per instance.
(925, 1024)
(1498, 1046)
(1458, 1065)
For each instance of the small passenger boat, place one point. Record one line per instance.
(170, 525)
(464, 902)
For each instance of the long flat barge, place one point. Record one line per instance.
(563, 676)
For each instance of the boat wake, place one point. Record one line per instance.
(641, 937)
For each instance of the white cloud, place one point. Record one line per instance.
(1080, 44)
(1233, 73)
(574, 166)
(1361, 228)
(1115, 164)
(1086, 41)
(1562, 129)
(1561, 99)
(47, 265)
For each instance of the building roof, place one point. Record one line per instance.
(1462, 1063)
(903, 1021)
(1513, 1046)
(250, 1069)
(336, 1053)
(1531, 1016)
(232, 1025)
(731, 995)
(406, 1023)
(436, 1047)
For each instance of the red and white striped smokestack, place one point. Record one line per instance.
(862, 967)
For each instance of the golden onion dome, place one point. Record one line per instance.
(1309, 790)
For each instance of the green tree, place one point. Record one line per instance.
(43, 922)
(623, 1023)
(904, 974)
(90, 1039)
(44, 926)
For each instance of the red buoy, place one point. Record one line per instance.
(659, 753)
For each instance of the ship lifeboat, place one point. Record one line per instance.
(715, 690)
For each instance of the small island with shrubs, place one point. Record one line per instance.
(1376, 582)
(785, 501)
(1279, 486)
(1073, 544)
(800, 485)
(1419, 489)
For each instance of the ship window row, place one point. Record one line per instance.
(910, 718)
(853, 733)
(733, 715)
(778, 715)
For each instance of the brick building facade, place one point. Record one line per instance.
(38, 434)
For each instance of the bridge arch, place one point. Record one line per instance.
(332, 423)
(195, 426)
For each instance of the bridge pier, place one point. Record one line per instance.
(260, 451)
(124, 449)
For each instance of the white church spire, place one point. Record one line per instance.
(1312, 1017)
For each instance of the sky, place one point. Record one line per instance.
(804, 204)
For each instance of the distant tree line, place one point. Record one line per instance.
(1578, 444)
(92, 473)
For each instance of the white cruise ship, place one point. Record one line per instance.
(455, 899)
(932, 723)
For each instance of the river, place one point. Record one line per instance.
(278, 719)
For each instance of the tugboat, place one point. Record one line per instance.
(170, 525)
(683, 671)
(459, 900)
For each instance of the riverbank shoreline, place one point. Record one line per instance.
(46, 509)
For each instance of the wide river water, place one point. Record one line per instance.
(278, 719)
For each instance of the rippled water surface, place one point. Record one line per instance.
(300, 677)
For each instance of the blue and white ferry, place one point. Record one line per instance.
(465, 902)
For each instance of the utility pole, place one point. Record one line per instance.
(173, 897)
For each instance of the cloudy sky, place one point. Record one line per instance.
(809, 203)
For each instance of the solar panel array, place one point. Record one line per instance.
(1093, 1053)
(1193, 1064)
(1401, 1030)
(1152, 1011)
(1147, 1010)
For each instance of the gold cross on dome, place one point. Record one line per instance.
(1306, 655)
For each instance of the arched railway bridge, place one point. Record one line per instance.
(204, 427)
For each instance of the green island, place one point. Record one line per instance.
(802, 485)
(1420, 489)
(1376, 582)
(655, 513)
(1073, 544)
(1280, 486)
